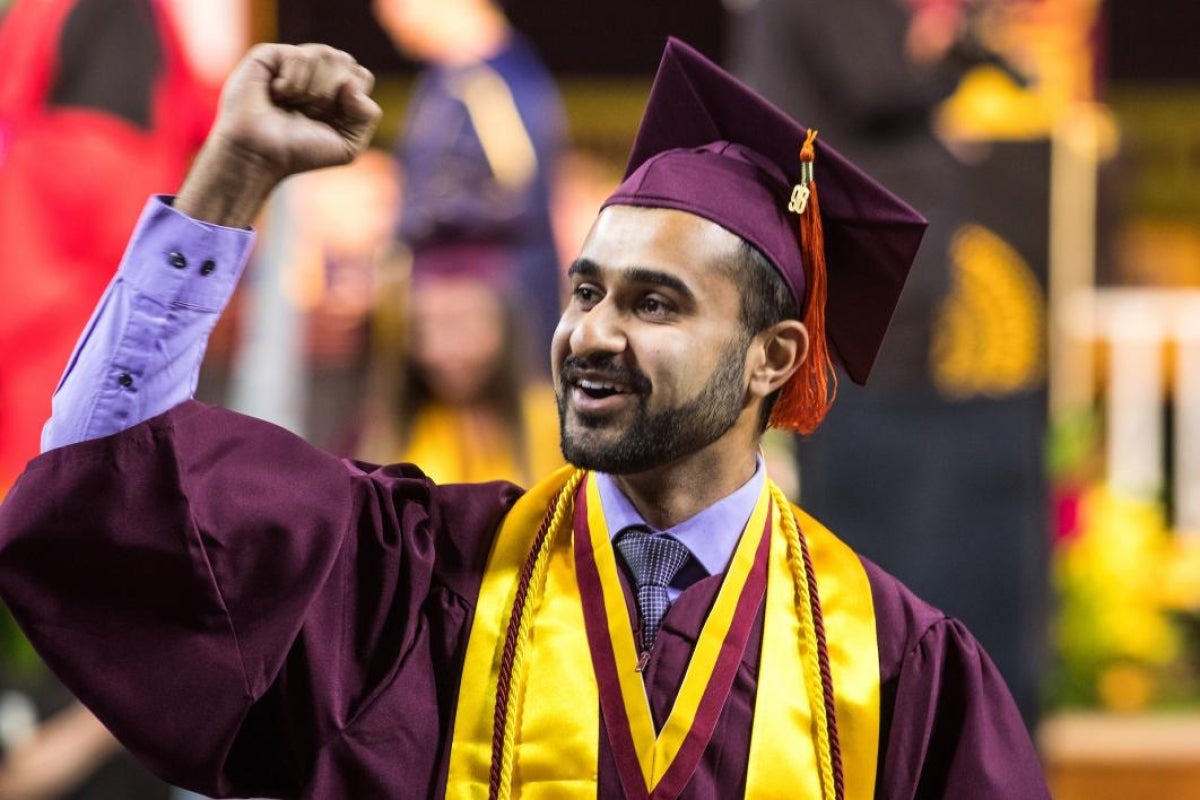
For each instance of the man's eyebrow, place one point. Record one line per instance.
(586, 268)
(658, 278)
(583, 267)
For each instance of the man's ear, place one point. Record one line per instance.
(779, 351)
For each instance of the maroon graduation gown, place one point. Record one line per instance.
(253, 616)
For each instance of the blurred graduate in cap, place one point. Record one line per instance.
(448, 384)
(481, 139)
(653, 621)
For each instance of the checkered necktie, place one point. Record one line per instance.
(653, 560)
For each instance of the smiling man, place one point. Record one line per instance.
(253, 616)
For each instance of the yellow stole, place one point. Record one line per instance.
(556, 694)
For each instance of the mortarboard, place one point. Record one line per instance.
(711, 146)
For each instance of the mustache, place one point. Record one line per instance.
(603, 368)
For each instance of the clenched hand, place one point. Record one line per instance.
(284, 109)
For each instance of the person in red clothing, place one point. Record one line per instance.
(98, 108)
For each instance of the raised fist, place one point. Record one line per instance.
(285, 109)
(297, 108)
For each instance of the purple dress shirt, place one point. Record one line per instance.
(140, 353)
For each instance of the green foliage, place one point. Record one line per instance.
(18, 661)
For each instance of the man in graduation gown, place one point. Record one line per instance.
(254, 616)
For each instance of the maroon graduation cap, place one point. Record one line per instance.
(711, 146)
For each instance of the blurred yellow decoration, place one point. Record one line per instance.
(990, 105)
(1115, 634)
(1051, 43)
(1159, 252)
(1179, 584)
(1126, 687)
(990, 337)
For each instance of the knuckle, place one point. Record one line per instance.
(325, 52)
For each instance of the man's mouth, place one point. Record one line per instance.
(597, 398)
(598, 390)
(601, 389)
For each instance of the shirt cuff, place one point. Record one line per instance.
(182, 261)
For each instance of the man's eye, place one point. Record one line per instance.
(653, 305)
(586, 294)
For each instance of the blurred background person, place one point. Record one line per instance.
(483, 132)
(448, 390)
(98, 108)
(456, 375)
(870, 74)
(68, 754)
(52, 759)
(944, 492)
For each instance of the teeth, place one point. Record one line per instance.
(597, 386)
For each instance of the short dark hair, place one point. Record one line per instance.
(765, 297)
(765, 300)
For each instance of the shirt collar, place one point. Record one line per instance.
(711, 536)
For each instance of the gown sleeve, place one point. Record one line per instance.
(954, 730)
(224, 596)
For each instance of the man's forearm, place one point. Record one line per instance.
(141, 353)
(284, 110)
(226, 186)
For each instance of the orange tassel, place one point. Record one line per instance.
(807, 396)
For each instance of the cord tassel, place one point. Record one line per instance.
(806, 397)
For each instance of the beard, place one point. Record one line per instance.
(654, 438)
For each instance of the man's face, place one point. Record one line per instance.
(649, 358)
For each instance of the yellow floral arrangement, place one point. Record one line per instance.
(1128, 591)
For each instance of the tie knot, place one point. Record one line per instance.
(653, 559)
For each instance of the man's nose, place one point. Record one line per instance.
(599, 330)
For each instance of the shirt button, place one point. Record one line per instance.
(208, 267)
(177, 260)
(125, 379)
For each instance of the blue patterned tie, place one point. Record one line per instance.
(653, 560)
